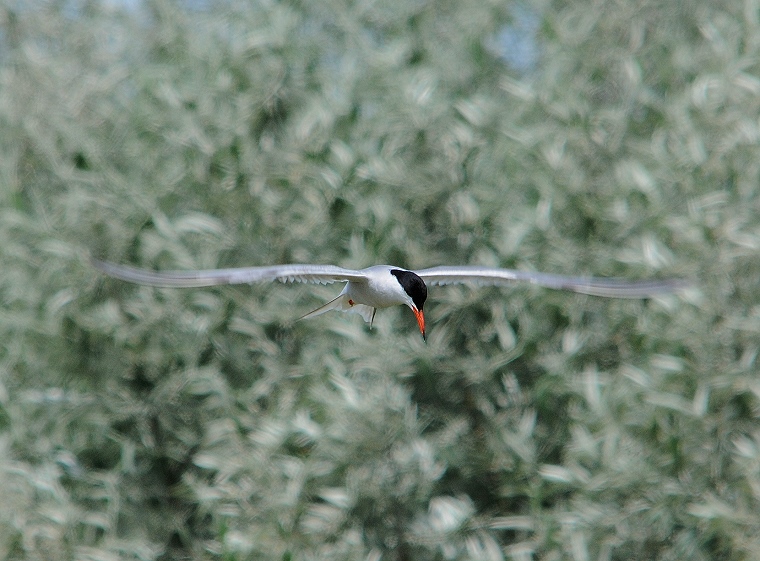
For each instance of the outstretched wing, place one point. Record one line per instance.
(318, 274)
(610, 288)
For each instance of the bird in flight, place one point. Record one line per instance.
(383, 286)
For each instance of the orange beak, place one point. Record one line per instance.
(420, 321)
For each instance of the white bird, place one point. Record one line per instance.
(383, 286)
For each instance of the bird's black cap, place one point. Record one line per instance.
(413, 285)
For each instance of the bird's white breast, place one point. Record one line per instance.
(381, 291)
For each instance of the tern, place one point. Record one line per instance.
(383, 286)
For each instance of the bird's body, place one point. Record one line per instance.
(379, 291)
(382, 286)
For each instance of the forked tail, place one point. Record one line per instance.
(343, 304)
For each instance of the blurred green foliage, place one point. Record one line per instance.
(139, 423)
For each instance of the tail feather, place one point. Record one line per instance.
(334, 304)
(341, 303)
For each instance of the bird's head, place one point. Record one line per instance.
(416, 290)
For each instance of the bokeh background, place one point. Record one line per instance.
(594, 137)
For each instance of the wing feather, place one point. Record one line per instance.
(317, 274)
(610, 288)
